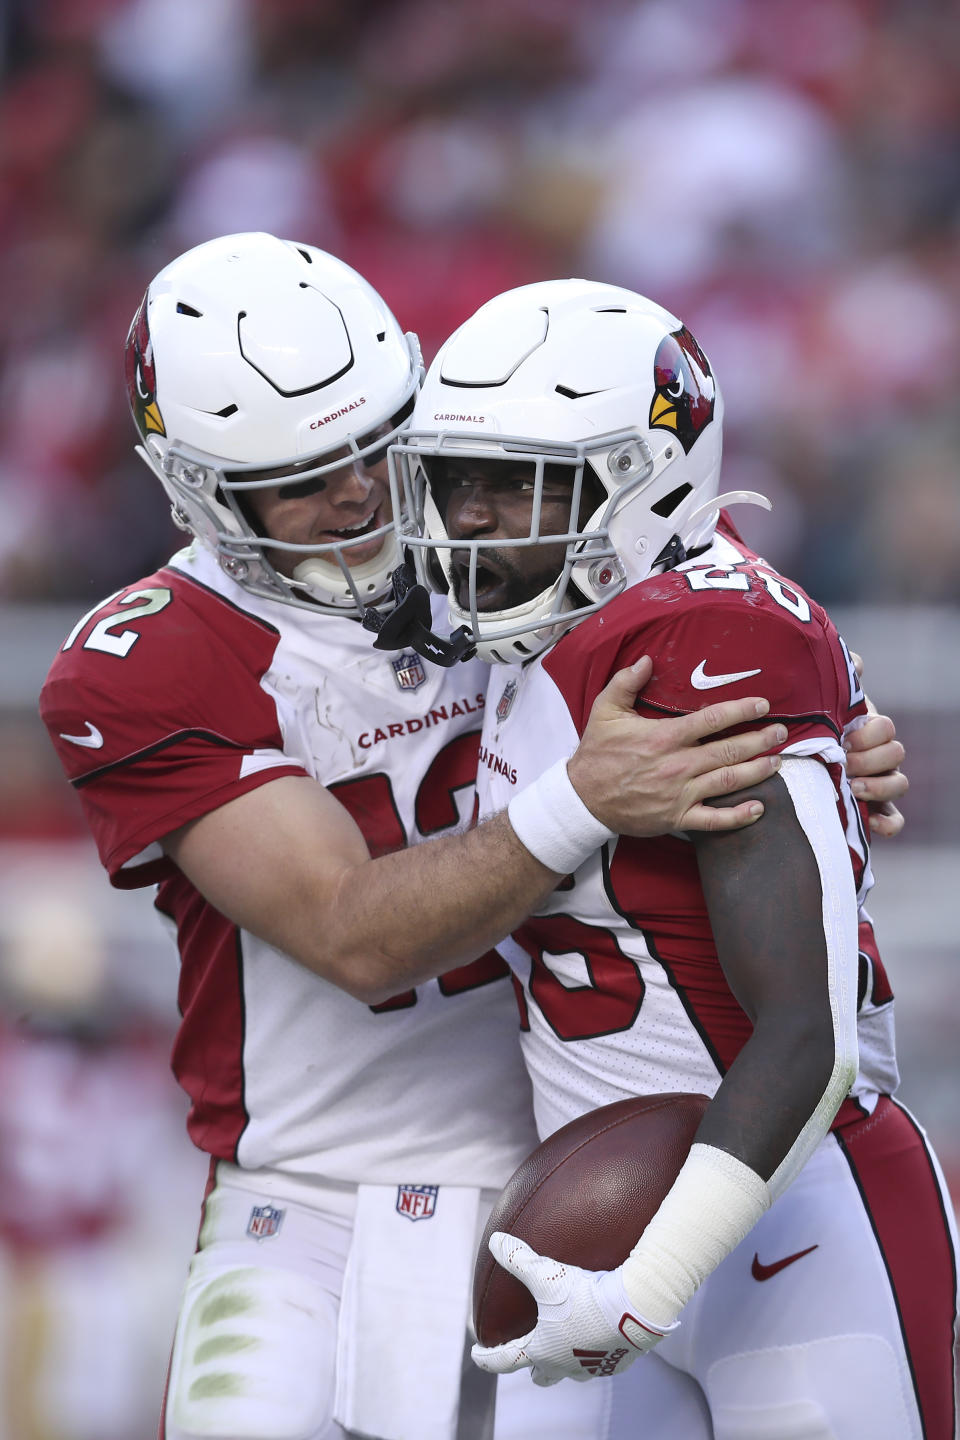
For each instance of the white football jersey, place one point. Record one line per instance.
(624, 994)
(180, 693)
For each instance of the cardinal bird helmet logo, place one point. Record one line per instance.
(141, 376)
(685, 392)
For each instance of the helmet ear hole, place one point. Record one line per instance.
(666, 506)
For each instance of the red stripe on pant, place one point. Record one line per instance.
(892, 1167)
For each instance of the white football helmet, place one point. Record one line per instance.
(577, 374)
(250, 353)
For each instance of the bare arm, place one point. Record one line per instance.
(287, 862)
(764, 895)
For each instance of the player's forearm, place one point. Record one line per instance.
(783, 912)
(767, 1098)
(772, 1089)
(406, 918)
(287, 863)
(777, 1090)
(467, 890)
(784, 915)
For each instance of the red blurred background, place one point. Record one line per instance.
(786, 177)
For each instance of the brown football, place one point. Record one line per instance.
(583, 1196)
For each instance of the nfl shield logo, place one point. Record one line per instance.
(265, 1220)
(417, 1202)
(409, 670)
(506, 699)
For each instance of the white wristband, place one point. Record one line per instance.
(551, 820)
(714, 1202)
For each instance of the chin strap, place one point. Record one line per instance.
(673, 554)
(408, 624)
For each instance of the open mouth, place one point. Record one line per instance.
(354, 532)
(492, 581)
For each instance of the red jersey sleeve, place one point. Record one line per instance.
(156, 707)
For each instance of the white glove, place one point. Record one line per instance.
(586, 1325)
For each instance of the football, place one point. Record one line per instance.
(584, 1196)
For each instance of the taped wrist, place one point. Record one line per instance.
(714, 1202)
(621, 1314)
(551, 820)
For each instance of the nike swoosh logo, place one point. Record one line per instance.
(764, 1272)
(701, 681)
(93, 740)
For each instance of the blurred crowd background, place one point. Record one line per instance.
(784, 176)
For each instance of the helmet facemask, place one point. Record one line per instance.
(458, 566)
(605, 549)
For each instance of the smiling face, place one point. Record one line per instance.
(341, 506)
(492, 500)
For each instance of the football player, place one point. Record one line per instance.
(237, 741)
(800, 1276)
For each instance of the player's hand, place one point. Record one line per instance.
(647, 777)
(585, 1327)
(874, 757)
